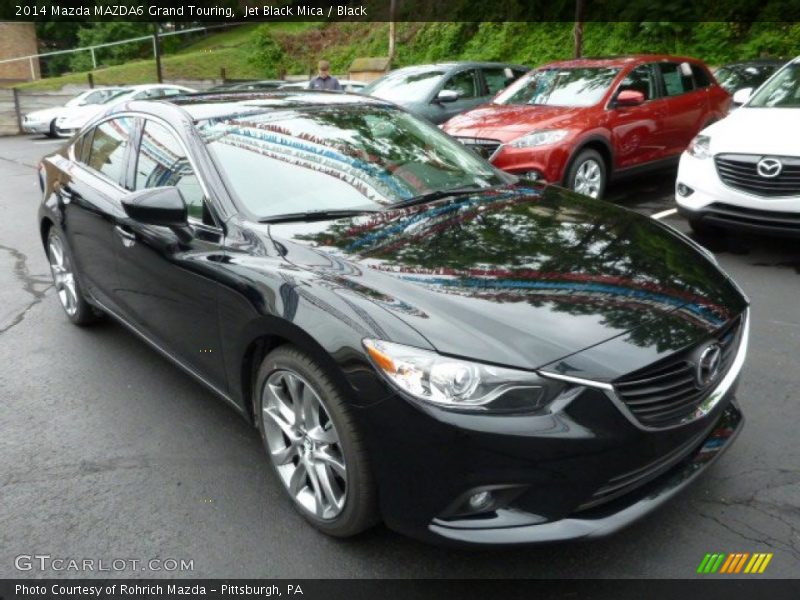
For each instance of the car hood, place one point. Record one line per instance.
(78, 116)
(757, 131)
(506, 122)
(520, 276)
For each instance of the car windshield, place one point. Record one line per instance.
(405, 85)
(782, 91)
(560, 87)
(338, 157)
(736, 77)
(116, 95)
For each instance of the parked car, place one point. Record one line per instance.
(747, 74)
(44, 121)
(74, 119)
(581, 122)
(744, 171)
(417, 335)
(249, 86)
(440, 91)
(348, 85)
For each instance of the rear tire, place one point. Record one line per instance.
(587, 174)
(65, 280)
(313, 444)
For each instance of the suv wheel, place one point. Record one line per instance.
(313, 444)
(587, 174)
(65, 280)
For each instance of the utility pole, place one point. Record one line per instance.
(157, 52)
(577, 31)
(392, 31)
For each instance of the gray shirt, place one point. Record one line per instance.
(328, 83)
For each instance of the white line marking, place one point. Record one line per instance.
(664, 213)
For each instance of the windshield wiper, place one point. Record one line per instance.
(316, 215)
(438, 194)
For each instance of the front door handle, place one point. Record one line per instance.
(128, 237)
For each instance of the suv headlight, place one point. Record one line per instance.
(540, 138)
(459, 384)
(700, 146)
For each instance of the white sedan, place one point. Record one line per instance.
(44, 121)
(78, 117)
(743, 172)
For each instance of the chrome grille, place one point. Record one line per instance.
(483, 147)
(740, 171)
(667, 392)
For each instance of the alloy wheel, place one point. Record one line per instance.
(63, 277)
(588, 178)
(303, 444)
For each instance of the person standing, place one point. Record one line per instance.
(324, 80)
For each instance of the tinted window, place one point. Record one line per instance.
(498, 78)
(108, 149)
(405, 85)
(465, 84)
(560, 87)
(162, 162)
(338, 158)
(701, 77)
(677, 78)
(640, 80)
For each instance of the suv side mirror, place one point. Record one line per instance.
(741, 96)
(629, 98)
(163, 206)
(447, 96)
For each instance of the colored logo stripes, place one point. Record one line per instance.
(737, 562)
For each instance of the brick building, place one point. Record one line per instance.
(18, 39)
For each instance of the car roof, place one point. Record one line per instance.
(617, 61)
(459, 63)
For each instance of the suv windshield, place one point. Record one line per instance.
(782, 91)
(324, 158)
(560, 87)
(405, 85)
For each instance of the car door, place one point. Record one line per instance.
(470, 94)
(91, 202)
(637, 131)
(685, 106)
(165, 285)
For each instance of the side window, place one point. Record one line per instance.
(148, 94)
(82, 146)
(465, 83)
(677, 78)
(109, 146)
(498, 78)
(163, 162)
(641, 80)
(701, 77)
(171, 92)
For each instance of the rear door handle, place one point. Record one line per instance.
(128, 237)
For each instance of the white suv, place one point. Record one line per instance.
(743, 172)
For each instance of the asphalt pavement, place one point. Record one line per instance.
(108, 451)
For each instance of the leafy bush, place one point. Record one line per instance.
(267, 53)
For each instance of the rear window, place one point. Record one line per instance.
(109, 147)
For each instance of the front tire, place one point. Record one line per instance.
(313, 444)
(65, 280)
(53, 133)
(587, 174)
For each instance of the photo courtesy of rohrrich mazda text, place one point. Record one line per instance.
(520, 289)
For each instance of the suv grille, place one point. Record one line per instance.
(740, 171)
(667, 392)
(485, 148)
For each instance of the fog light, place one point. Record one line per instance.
(481, 501)
(684, 190)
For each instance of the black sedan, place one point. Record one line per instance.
(417, 336)
(747, 74)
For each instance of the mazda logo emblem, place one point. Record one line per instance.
(708, 366)
(769, 167)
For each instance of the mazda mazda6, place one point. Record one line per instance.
(418, 337)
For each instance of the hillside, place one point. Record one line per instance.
(527, 43)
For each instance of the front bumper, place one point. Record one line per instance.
(36, 127)
(712, 202)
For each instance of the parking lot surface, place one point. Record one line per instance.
(109, 451)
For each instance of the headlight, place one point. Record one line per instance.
(540, 138)
(700, 146)
(460, 384)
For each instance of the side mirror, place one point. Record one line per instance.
(629, 98)
(163, 206)
(741, 96)
(447, 96)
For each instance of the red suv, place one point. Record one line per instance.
(579, 122)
